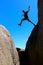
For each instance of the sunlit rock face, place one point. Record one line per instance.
(8, 52)
(34, 45)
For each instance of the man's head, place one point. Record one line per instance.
(23, 11)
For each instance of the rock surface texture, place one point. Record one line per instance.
(8, 52)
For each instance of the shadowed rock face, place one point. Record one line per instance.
(22, 56)
(8, 52)
(40, 33)
(33, 37)
(34, 46)
(31, 46)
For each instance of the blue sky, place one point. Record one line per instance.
(11, 15)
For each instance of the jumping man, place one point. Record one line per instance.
(26, 16)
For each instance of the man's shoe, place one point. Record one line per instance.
(19, 24)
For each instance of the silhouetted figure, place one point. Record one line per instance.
(26, 16)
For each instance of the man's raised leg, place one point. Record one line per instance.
(21, 21)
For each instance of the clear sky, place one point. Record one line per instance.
(11, 15)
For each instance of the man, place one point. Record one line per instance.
(26, 17)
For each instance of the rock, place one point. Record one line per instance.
(18, 49)
(33, 37)
(8, 52)
(31, 46)
(22, 56)
(34, 45)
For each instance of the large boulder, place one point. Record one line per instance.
(8, 52)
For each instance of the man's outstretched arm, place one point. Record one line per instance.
(28, 9)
